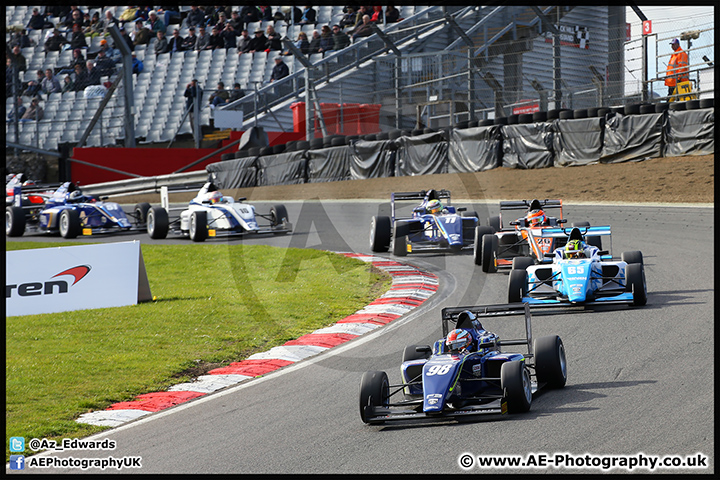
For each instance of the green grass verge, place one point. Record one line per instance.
(216, 304)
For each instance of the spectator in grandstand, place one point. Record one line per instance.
(192, 92)
(236, 22)
(128, 15)
(67, 84)
(236, 93)
(77, 39)
(8, 78)
(17, 111)
(34, 86)
(348, 19)
(77, 59)
(142, 13)
(196, 16)
(55, 42)
(161, 44)
(112, 53)
(104, 65)
(301, 43)
(80, 78)
(220, 96)
(141, 34)
(258, 43)
(126, 37)
(327, 42)
(91, 29)
(21, 39)
(103, 26)
(50, 83)
(137, 65)
(169, 13)
(93, 74)
(203, 40)
(249, 14)
(392, 14)
(364, 30)
(377, 15)
(75, 18)
(216, 40)
(220, 20)
(37, 21)
(315, 41)
(34, 113)
(216, 15)
(155, 23)
(309, 15)
(18, 59)
(175, 44)
(266, 14)
(280, 70)
(229, 37)
(274, 41)
(358, 20)
(243, 42)
(340, 37)
(189, 42)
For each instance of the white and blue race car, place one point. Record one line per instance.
(587, 276)
(433, 225)
(212, 214)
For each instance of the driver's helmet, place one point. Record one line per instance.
(536, 217)
(434, 206)
(466, 318)
(458, 340)
(75, 196)
(215, 197)
(574, 249)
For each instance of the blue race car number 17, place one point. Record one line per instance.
(438, 370)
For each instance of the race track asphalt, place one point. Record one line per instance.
(640, 380)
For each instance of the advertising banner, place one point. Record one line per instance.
(50, 280)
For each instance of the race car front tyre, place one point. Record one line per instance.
(517, 285)
(69, 223)
(14, 221)
(158, 223)
(521, 263)
(550, 361)
(634, 256)
(374, 392)
(380, 234)
(494, 222)
(278, 214)
(516, 386)
(198, 226)
(488, 251)
(635, 281)
(141, 210)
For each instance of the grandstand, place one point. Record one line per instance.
(440, 66)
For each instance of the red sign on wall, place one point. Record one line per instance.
(627, 32)
(647, 27)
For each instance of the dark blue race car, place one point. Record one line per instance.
(440, 383)
(434, 225)
(71, 213)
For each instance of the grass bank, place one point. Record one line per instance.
(215, 304)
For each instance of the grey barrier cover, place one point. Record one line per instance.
(577, 141)
(527, 145)
(421, 155)
(632, 138)
(690, 132)
(474, 149)
(372, 159)
(236, 173)
(282, 169)
(330, 164)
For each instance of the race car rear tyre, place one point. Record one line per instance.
(494, 222)
(14, 221)
(198, 226)
(69, 223)
(594, 241)
(374, 391)
(380, 233)
(158, 223)
(550, 361)
(480, 231)
(516, 386)
(517, 285)
(635, 281)
(521, 263)
(488, 252)
(141, 210)
(278, 213)
(634, 256)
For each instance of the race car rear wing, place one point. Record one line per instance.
(564, 232)
(450, 318)
(416, 196)
(524, 204)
